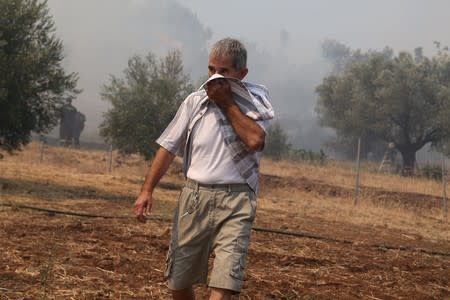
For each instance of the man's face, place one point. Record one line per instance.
(224, 66)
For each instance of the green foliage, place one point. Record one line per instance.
(443, 146)
(32, 80)
(432, 171)
(446, 148)
(143, 102)
(341, 57)
(276, 142)
(372, 148)
(277, 147)
(307, 155)
(402, 99)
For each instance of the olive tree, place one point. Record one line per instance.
(143, 102)
(32, 79)
(277, 145)
(403, 99)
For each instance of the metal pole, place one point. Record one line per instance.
(358, 163)
(110, 158)
(41, 158)
(444, 188)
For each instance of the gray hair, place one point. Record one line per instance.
(231, 48)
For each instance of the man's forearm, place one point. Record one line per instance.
(158, 168)
(250, 133)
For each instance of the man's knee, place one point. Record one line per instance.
(220, 294)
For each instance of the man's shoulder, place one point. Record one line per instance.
(196, 96)
(195, 99)
(257, 88)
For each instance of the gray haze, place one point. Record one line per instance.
(283, 39)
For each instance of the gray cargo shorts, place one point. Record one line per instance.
(211, 218)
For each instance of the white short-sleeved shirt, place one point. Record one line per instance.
(211, 162)
(196, 125)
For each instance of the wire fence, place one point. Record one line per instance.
(385, 167)
(443, 176)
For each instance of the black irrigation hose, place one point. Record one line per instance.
(79, 214)
(301, 234)
(378, 246)
(255, 228)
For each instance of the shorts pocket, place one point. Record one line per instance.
(189, 202)
(237, 270)
(239, 259)
(253, 211)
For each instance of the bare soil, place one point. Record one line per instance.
(56, 256)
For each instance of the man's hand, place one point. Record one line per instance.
(250, 133)
(143, 206)
(159, 166)
(219, 90)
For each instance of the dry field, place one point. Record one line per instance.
(395, 244)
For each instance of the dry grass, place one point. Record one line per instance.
(85, 174)
(343, 174)
(106, 259)
(429, 223)
(72, 178)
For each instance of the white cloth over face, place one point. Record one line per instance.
(251, 98)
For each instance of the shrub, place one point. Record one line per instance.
(432, 171)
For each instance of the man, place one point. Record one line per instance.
(220, 137)
(78, 127)
(68, 113)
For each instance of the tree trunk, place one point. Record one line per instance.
(409, 161)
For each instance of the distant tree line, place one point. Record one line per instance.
(378, 96)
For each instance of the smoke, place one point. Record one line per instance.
(100, 36)
(283, 40)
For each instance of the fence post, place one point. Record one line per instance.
(444, 188)
(110, 158)
(358, 151)
(43, 142)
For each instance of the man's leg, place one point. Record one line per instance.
(187, 260)
(220, 294)
(235, 213)
(184, 294)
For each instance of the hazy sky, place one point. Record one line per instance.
(100, 35)
(402, 24)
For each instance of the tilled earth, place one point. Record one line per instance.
(48, 255)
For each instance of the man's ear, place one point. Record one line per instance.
(243, 73)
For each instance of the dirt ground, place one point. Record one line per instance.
(56, 256)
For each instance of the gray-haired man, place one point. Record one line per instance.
(220, 136)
